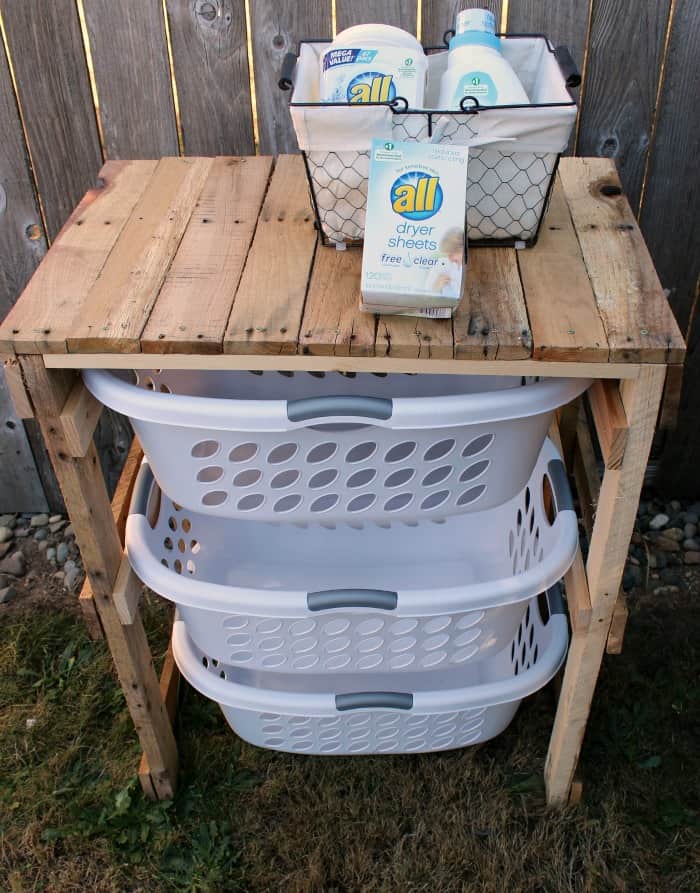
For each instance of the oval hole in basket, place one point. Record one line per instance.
(439, 450)
(287, 503)
(168, 543)
(400, 451)
(435, 500)
(519, 520)
(186, 525)
(247, 478)
(210, 474)
(282, 453)
(478, 445)
(321, 452)
(527, 500)
(181, 546)
(250, 502)
(205, 449)
(511, 543)
(399, 478)
(437, 476)
(323, 478)
(360, 452)
(177, 566)
(285, 479)
(362, 503)
(472, 472)
(172, 523)
(361, 478)
(471, 495)
(194, 547)
(324, 503)
(398, 502)
(214, 497)
(548, 500)
(243, 452)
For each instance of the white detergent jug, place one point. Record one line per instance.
(374, 63)
(475, 66)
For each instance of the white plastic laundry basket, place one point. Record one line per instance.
(331, 447)
(275, 597)
(404, 713)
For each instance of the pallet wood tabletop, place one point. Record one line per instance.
(205, 256)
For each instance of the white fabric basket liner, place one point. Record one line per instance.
(226, 443)
(525, 129)
(385, 599)
(406, 713)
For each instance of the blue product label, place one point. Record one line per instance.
(416, 195)
(371, 86)
(479, 85)
(334, 58)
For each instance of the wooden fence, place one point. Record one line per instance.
(86, 80)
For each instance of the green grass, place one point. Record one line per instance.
(72, 816)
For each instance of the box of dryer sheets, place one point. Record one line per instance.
(414, 252)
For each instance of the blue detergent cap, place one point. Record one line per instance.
(475, 38)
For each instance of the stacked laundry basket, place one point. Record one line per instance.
(361, 563)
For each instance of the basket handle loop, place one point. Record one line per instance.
(393, 700)
(560, 486)
(568, 67)
(381, 599)
(142, 490)
(286, 78)
(307, 408)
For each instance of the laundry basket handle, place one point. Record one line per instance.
(307, 408)
(394, 700)
(142, 490)
(381, 599)
(568, 68)
(560, 486)
(286, 78)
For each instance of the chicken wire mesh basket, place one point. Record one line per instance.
(514, 150)
(423, 597)
(408, 713)
(332, 447)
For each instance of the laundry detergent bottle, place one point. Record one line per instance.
(373, 63)
(476, 67)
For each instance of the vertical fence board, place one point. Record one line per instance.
(563, 21)
(132, 75)
(669, 219)
(277, 26)
(20, 487)
(624, 61)
(402, 13)
(48, 57)
(210, 58)
(439, 15)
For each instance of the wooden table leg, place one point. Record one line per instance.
(612, 531)
(90, 512)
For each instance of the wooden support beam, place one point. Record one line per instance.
(609, 542)
(169, 686)
(586, 473)
(670, 405)
(567, 419)
(91, 618)
(127, 593)
(18, 393)
(576, 792)
(79, 418)
(618, 624)
(610, 420)
(578, 598)
(90, 511)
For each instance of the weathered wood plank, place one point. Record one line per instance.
(48, 58)
(193, 307)
(578, 598)
(610, 421)
(406, 336)
(56, 294)
(637, 319)
(564, 316)
(210, 59)
(333, 324)
(20, 486)
(277, 27)
(491, 322)
(79, 418)
(132, 75)
(269, 303)
(19, 398)
(618, 624)
(439, 15)
(118, 305)
(401, 13)
(622, 75)
(169, 686)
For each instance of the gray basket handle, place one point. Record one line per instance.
(286, 78)
(394, 700)
(381, 599)
(308, 408)
(142, 490)
(568, 68)
(560, 486)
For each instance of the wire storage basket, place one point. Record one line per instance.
(387, 599)
(514, 149)
(407, 713)
(333, 447)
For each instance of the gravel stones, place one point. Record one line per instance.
(8, 521)
(14, 565)
(41, 534)
(54, 519)
(61, 552)
(39, 521)
(692, 557)
(6, 534)
(4, 549)
(7, 593)
(72, 578)
(659, 521)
